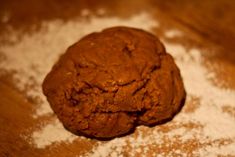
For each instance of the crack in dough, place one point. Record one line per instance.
(111, 81)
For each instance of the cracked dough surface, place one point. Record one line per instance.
(111, 81)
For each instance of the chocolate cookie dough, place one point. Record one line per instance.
(111, 81)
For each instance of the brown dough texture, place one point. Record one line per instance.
(111, 81)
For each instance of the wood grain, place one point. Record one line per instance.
(208, 24)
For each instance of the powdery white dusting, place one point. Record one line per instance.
(31, 58)
(216, 125)
(197, 82)
(211, 151)
(50, 134)
(172, 33)
(118, 145)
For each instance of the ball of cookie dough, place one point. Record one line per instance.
(111, 81)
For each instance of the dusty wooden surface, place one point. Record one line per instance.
(208, 24)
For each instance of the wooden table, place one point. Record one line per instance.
(208, 24)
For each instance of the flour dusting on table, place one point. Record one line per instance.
(205, 126)
(51, 133)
